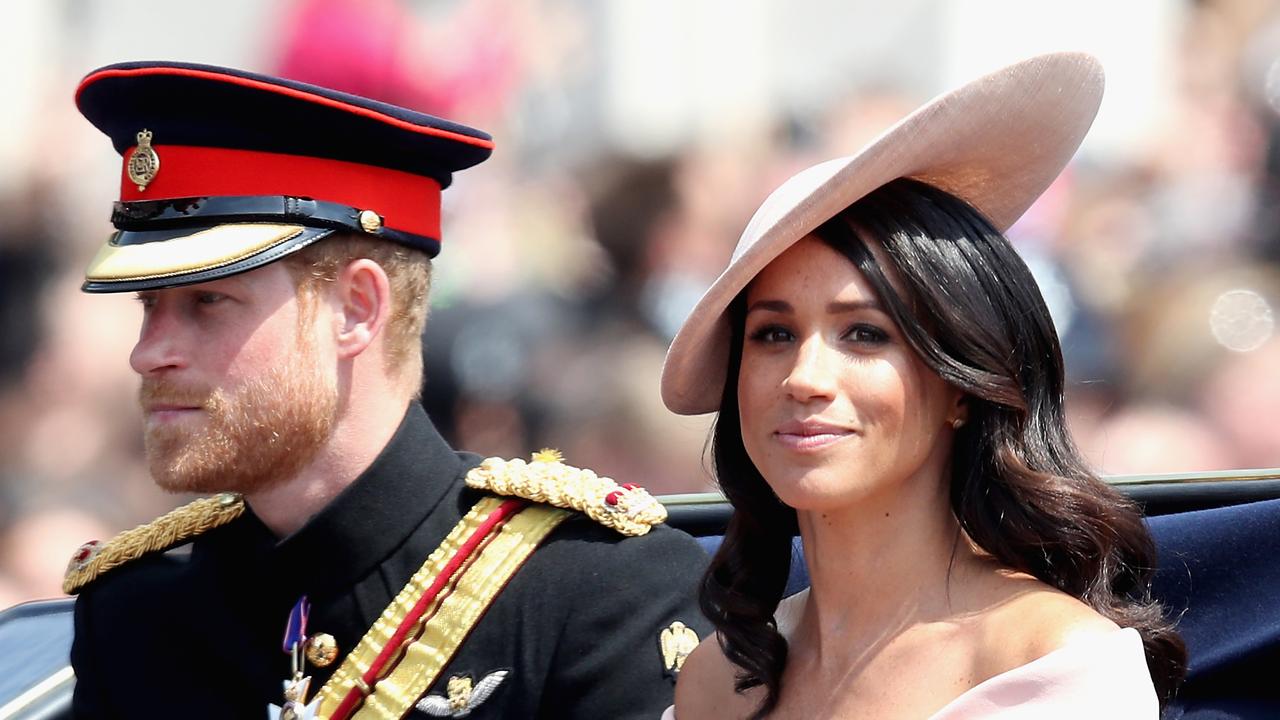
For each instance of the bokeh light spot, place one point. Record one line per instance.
(1241, 320)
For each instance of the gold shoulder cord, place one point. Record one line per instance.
(449, 620)
(175, 527)
(628, 509)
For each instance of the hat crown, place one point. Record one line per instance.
(995, 143)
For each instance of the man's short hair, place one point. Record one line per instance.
(409, 274)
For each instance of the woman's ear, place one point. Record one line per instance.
(363, 296)
(959, 410)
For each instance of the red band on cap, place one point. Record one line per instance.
(407, 202)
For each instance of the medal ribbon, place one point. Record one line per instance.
(295, 632)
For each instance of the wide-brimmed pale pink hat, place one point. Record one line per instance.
(995, 143)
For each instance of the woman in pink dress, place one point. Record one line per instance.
(890, 387)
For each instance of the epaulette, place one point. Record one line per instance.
(628, 508)
(94, 558)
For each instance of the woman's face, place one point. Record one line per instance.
(835, 405)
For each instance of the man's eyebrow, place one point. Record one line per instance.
(231, 283)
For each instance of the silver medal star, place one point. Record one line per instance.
(294, 692)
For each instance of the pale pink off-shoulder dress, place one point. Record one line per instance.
(1102, 677)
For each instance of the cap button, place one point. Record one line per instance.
(370, 221)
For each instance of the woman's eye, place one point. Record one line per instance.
(771, 334)
(867, 334)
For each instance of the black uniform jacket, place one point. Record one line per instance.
(199, 634)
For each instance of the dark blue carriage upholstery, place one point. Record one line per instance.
(1219, 574)
(1220, 570)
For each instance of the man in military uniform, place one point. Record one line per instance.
(351, 564)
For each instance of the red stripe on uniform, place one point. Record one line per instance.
(406, 202)
(393, 645)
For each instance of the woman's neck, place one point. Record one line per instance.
(878, 566)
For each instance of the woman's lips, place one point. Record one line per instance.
(810, 435)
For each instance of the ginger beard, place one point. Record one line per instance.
(251, 437)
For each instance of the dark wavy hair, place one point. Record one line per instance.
(1019, 487)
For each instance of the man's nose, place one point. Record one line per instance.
(159, 345)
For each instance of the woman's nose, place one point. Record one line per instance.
(812, 375)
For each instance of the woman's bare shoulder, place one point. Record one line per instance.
(705, 688)
(1033, 620)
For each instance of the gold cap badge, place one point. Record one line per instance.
(144, 163)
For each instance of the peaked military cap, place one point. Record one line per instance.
(225, 170)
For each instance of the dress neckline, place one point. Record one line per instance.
(790, 609)
(1060, 657)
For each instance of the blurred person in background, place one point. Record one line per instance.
(279, 238)
(1242, 397)
(657, 260)
(36, 545)
(1141, 439)
(28, 262)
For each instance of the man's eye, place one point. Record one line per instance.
(209, 298)
(145, 300)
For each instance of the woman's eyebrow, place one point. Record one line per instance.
(837, 307)
(834, 308)
(781, 306)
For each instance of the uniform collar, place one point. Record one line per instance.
(373, 516)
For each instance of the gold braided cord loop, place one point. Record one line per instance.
(173, 528)
(458, 612)
(361, 658)
(629, 509)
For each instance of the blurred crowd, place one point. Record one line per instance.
(569, 262)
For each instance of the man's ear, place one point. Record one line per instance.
(364, 298)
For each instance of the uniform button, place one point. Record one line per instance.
(322, 649)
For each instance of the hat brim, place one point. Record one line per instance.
(155, 259)
(997, 143)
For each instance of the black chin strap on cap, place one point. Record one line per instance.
(138, 220)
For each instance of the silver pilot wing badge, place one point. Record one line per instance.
(463, 697)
